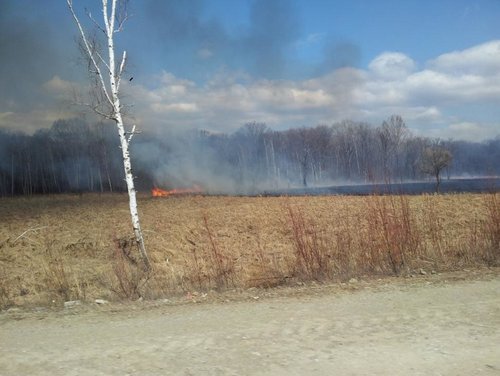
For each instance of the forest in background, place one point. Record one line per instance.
(75, 155)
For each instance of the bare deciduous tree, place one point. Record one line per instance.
(434, 159)
(392, 134)
(106, 102)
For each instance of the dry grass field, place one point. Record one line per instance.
(59, 248)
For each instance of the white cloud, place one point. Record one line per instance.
(205, 53)
(166, 108)
(55, 103)
(168, 80)
(288, 96)
(30, 121)
(438, 95)
(227, 104)
(392, 66)
(391, 85)
(440, 86)
(433, 100)
(310, 39)
(5, 115)
(483, 59)
(59, 87)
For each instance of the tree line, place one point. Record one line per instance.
(71, 156)
(77, 156)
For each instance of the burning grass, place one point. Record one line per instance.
(60, 248)
(158, 192)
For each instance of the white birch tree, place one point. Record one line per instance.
(108, 76)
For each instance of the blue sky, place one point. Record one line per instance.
(217, 64)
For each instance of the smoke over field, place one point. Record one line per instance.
(77, 156)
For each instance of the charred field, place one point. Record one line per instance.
(80, 247)
(452, 185)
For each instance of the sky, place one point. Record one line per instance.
(218, 64)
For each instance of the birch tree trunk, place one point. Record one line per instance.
(110, 106)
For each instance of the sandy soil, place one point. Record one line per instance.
(428, 326)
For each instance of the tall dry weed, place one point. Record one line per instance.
(312, 254)
(343, 244)
(208, 264)
(223, 264)
(5, 289)
(129, 276)
(392, 238)
(492, 229)
(434, 229)
(61, 280)
(265, 269)
(6, 286)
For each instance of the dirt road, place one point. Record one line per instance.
(422, 328)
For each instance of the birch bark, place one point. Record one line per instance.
(111, 96)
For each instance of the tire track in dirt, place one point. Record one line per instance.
(451, 329)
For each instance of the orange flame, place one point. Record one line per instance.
(158, 192)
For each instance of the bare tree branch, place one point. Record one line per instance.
(103, 61)
(131, 134)
(89, 15)
(120, 71)
(89, 50)
(121, 15)
(109, 20)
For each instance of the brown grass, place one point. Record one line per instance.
(57, 248)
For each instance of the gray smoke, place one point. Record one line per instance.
(179, 30)
(339, 55)
(184, 160)
(30, 55)
(274, 27)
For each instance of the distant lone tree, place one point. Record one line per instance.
(434, 159)
(105, 100)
